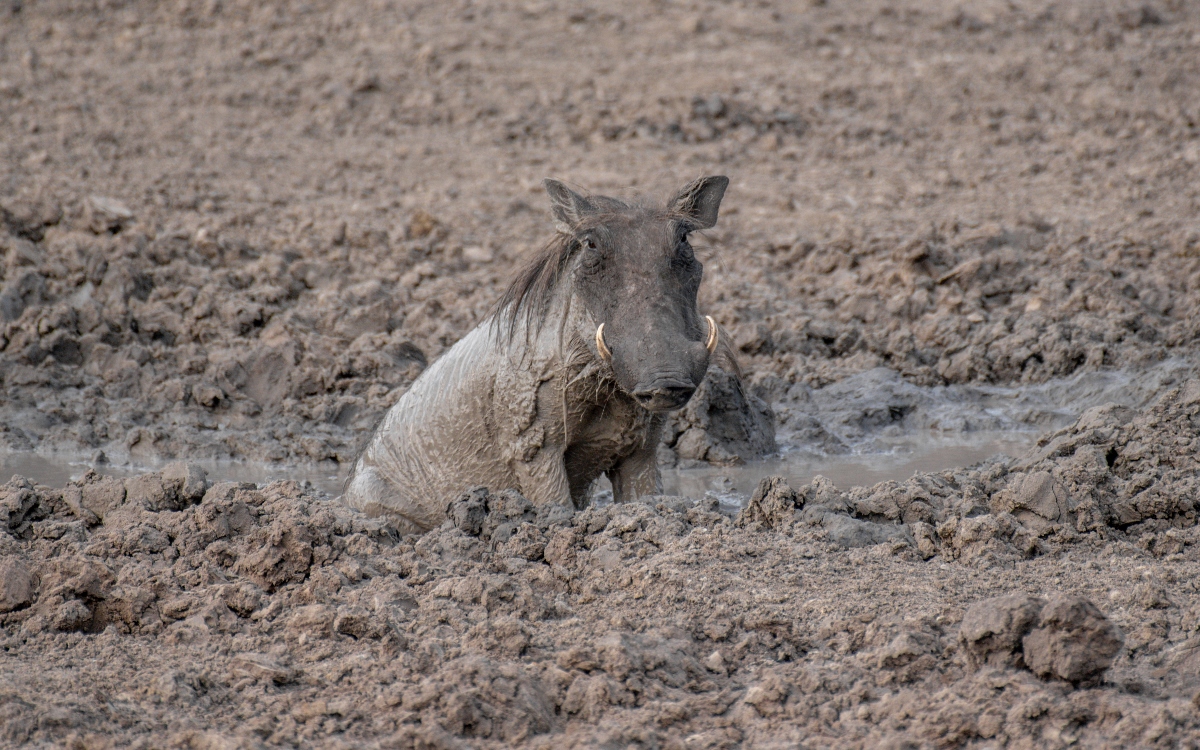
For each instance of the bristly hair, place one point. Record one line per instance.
(526, 298)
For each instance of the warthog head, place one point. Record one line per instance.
(632, 271)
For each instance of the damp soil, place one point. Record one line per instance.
(233, 233)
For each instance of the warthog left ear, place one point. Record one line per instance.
(567, 205)
(700, 200)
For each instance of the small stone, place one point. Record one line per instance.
(359, 623)
(421, 225)
(107, 214)
(72, 615)
(17, 585)
(260, 666)
(310, 710)
(715, 662)
(1073, 641)
(992, 630)
(208, 395)
(192, 481)
(314, 620)
(477, 254)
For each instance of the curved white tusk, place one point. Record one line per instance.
(601, 347)
(711, 344)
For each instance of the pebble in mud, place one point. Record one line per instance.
(1065, 637)
(1072, 641)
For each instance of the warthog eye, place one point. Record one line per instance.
(683, 250)
(591, 254)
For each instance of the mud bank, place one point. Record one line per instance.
(160, 610)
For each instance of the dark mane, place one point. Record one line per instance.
(527, 297)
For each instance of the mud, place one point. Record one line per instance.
(237, 231)
(161, 611)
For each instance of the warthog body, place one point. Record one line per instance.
(568, 379)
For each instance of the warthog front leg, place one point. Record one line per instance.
(544, 479)
(637, 474)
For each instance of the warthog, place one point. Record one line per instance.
(571, 375)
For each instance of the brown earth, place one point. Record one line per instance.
(236, 229)
(159, 611)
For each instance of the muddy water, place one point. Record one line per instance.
(903, 458)
(56, 469)
(731, 485)
(942, 428)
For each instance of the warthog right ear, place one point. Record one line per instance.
(567, 205)
(701, 199)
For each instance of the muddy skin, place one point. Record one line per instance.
(594, 343)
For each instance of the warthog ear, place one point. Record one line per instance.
(567, 205)
(700, 200)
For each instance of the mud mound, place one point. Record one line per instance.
(1114, 474)
(159, 606)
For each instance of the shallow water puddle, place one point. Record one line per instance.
(732, 485)
(944, 428)
(55, 470)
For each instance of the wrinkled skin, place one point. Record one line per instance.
(533, 399)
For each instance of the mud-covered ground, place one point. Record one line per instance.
(159, 611)
(239, 230)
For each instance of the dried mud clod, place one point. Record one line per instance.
(1066, 637)
(858, 617)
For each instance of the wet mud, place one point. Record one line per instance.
(1029, 602)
